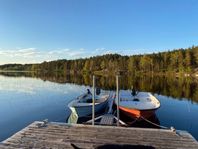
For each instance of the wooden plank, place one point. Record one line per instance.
(60, 135)
(107, 119)
(110, 104)
(95, 132)
(66, 132)
(95, 140)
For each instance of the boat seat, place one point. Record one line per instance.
(136, 99)
(89, 100)
(148, 99)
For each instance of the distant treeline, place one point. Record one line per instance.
(176, 61)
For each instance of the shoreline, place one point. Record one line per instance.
(104, 74)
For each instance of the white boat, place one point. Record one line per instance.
(142, 104)
(82, 105)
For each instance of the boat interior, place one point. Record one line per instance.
(87, 98)
(142, 100)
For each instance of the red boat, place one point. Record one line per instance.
(142, 104)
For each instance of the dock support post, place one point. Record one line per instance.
(118, 99)
(93, 101)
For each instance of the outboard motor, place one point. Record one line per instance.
(133, 92)
(98, 91)
(88, 91)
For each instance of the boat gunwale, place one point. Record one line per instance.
(88, 104)
(154, 101)
(140, 109)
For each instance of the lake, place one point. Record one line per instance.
(28, 97)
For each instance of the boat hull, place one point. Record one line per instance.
(134, 113)
(87, 110)
(142, 105)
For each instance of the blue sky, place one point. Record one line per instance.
(36, 30)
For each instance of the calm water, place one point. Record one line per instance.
(25, 98)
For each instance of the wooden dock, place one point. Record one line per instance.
(78, 136)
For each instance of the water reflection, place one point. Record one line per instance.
(177, 87)
(25, 100)
(26, 97)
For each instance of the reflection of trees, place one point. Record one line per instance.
(178, 87)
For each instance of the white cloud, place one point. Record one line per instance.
(33, 55)
(30, 52)
(100, 49)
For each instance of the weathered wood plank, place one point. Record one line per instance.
(98, 136)
(59, 135)
(156, 135)
(107, 119)
(69, 134)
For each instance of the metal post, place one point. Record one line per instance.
(118, 99)
(93, 101)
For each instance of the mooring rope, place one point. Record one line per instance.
(160, 126)
(131, 123)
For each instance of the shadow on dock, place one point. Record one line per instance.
(110, 146)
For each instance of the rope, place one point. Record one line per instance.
(160, 126)
(131, 123)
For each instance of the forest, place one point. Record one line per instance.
(174, 61)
